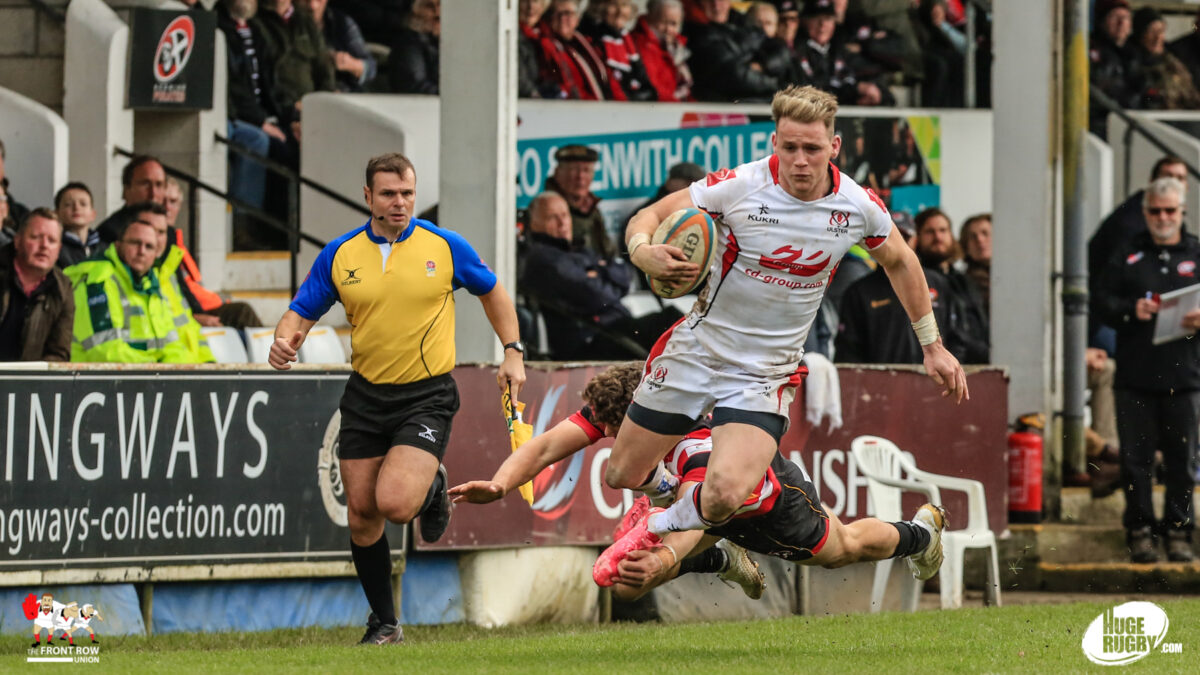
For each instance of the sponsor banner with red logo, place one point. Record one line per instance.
(572, 505)
(171, 59)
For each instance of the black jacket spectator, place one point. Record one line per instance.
(1114, 71)
(1122, 225)
(1187, 50)
(968, 337)
(251, 76)
(379, 20)
(880, 52)
(76, 251)
(721, 64)
(775, 58)
(528, 68)
(560, 277)
(300, 62)
(39, 327)
(413, 63)
(1138, 268)
(342, 34)
(895, 17)
(830, 68)
(873, 326)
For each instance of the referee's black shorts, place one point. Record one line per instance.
(377, 417)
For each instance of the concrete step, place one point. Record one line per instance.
(1079, 507)
(1065, 543)
(1061, 556)
(1118, 577)
(253, 270)
(271, 304)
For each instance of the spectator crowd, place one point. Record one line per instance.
(124, 290)
(1132, 64)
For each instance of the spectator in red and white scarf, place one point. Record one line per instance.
(568, 61)
(604, 25)
(660, 42)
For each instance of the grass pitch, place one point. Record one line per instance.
(1029, 638)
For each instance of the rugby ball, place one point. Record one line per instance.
(693, 232)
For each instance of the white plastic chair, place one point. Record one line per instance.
(880, 460)
(258, 342)
(225, 344)
(641, 303)
(683, 303)
(322, 345)
(885, 484)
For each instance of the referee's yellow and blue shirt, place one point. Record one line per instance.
(399, 297)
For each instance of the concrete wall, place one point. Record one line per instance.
(32, 46)
(1026, 232)
(31, 52)
(343, 131)
(94, 103)
(1098, 187)
(35, 144)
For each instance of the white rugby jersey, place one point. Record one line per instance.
(775, 256)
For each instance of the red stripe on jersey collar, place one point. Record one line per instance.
(834, 174)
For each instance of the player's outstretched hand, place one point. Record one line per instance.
(477, 492)
(641, 567)
(666, 263)
(283, 352)
(945, 370)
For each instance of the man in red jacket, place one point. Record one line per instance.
(658, 39)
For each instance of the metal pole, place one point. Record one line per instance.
(293, 221)
(1075, 290)
(969, 66)
(193, 223)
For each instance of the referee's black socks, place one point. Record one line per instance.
(913, 538)
(374, 567)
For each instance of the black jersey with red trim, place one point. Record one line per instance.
(689, 460)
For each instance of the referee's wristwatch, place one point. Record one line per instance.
(517, 345)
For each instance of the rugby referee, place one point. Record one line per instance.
(396, 276)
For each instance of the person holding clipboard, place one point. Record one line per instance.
(1157, 383)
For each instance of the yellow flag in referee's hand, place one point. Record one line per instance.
(518, 432)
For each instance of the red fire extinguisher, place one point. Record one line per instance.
(1025, 475)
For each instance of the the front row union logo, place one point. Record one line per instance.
(56, 624)
(1128, 633)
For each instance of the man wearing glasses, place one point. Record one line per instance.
(1157, 386)
(123, 314)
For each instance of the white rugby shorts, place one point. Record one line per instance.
(684, 379)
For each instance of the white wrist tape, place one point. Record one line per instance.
(926, 329)
(637, 240)
(674, 556)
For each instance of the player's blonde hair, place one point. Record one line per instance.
(804, 105)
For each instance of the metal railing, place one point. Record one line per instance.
(1134, 125)
(290, 226)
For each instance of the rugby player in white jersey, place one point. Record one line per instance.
(784, 223)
